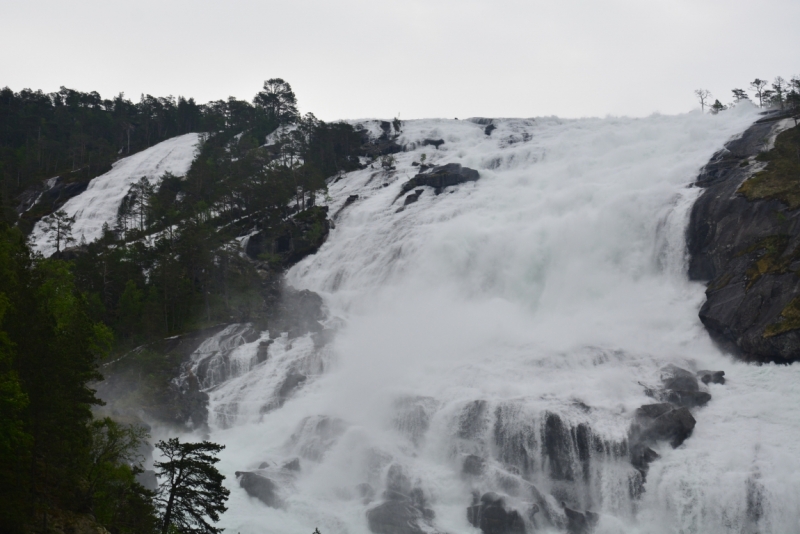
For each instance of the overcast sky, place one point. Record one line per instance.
(431, 58)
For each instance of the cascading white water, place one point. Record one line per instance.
(498, 317)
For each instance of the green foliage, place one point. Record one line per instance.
(112, 493)
(49, 347)
(192, 492)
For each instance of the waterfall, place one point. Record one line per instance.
(488, 345)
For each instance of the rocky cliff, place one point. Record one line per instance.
(744, 241)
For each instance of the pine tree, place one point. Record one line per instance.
(779, 87)
(59, 227)
(192, 489)
(278, 100)
(739, 95)
(758, 86)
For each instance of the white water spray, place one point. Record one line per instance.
(544, 296)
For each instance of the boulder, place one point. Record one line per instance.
(491, 515)
(682, 388)
(440, 177)
(677, 379)
(259, 487)
(413, 197)
(433, 142)
(395, 517)
(689, 399)
(711, 377)
(489, 129)
(673, 426)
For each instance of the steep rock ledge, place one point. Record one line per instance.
(745, 243)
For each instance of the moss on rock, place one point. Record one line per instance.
(781, 178)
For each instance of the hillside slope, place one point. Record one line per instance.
(100, 202)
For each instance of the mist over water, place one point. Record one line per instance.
(555, 284)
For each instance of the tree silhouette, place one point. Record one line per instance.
(59, 227)
(278, 100)
(739, 95)
(703, 95)
(192, 488)
(758, 86)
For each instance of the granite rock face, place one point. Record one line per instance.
(748, 251)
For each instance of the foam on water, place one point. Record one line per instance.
(555, 284)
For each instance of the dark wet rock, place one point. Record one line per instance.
(382, 146)
(711, 377)
(397, 481)
(413, 197)
(677, 379)
(433, 142)
(515, 439)
(577, 522)
(743, 249)
(492, 516)
(260, 487)
(673, 426)
(348, 202)
(473, 420)
(440, 177)
(689, 399)
(263, 350)
(642, 456)
(404, 509)
(473, 465)
(292, 465)
(412, 416)
(682, 388)
(395, 517)
(290, 384)
(557, 447)
(652, 411)
(489, 129)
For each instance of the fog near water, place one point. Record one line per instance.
(556, 283)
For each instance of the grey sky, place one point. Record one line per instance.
(433, 58)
